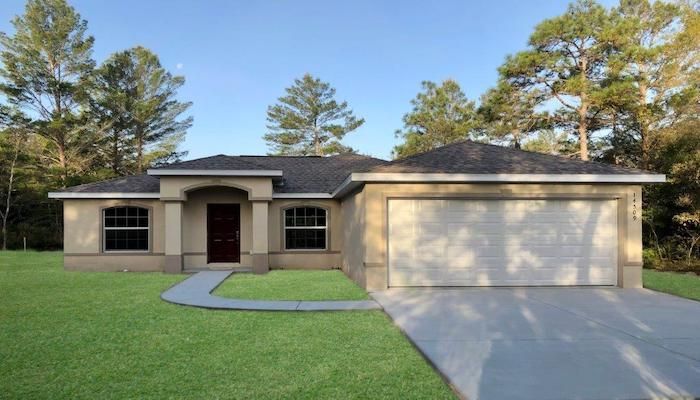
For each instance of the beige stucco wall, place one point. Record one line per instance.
(82, 230)
(195, 235)
(281, 258)
(373, 266)
(178, 187)
(194, 223)
(353, 215)
(357, 225)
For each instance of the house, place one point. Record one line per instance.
(466, 214)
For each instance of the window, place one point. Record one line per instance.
(305, 228)
(125, 229)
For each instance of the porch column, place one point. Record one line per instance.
(259, 252)
(173, 237)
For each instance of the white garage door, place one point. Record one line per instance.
(502, 242)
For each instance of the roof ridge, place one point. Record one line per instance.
(364, 156)
(238, 158)
(557, 156)
(513, 150)
(276, 156)
(113, 179)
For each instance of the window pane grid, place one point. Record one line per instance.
(126, 229)
(305, 228)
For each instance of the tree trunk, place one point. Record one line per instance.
(516, 138)
(139, 155)
(643, 126)
(583, 112)
(693, 241)
(115, 154)
(60, 135)
(583, 128)
(317, 142)
(8, 199)
(4, 232)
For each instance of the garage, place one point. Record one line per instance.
(502, 242)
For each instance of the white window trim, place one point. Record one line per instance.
(123, 228)
(285, 227)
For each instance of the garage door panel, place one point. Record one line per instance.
(502, 242)
(473, 206)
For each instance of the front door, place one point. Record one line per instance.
(223, 233)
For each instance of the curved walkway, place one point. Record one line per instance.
(196, 291)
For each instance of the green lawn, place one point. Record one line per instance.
(292, 285)
(674, 283)
(73, 335)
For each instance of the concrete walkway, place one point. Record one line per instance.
(196, 291)
(555, 343)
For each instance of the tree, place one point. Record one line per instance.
(567, 62)
(658, 51)
(13, 137)
(45, 69)
(309, 121)
(548, 141)
(676, 204)
(509, 113)
(135, 98)
(441, 114)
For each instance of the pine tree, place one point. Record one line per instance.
(45, 68)
(658, 53)
(566, 60)
(509, 114)
(441, 114)
(309, 121)
(135, 97)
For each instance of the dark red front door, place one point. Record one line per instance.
(223, 233)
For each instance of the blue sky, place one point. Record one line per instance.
(238, 56)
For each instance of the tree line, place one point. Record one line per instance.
(619, 85)
(64, 120)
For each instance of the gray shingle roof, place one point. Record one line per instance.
(469, 157)
(314, 174)
(301, 174)
(218, 162)
(127, 184)
(325, 174)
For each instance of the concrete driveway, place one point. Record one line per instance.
(547, 343)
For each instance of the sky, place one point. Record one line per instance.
(239, 56)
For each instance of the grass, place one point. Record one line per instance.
(678, 284)
(292, 285)
(82, 335)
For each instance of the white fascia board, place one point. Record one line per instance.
(509, 178)
(357, 178)
(348, 184)
(214, 172)
(302, 196)
(111, 195)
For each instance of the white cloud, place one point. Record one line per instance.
(179, 65)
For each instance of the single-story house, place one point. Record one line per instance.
(466, 214)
